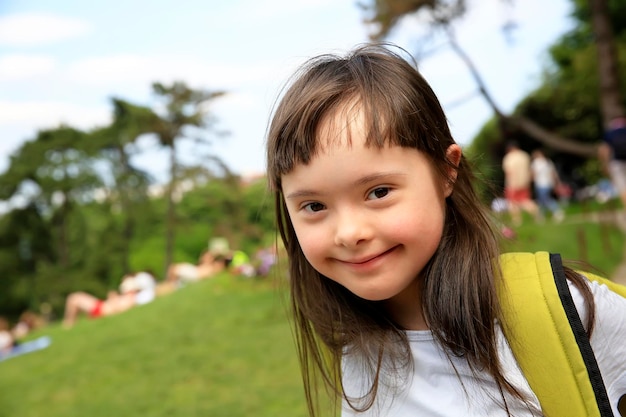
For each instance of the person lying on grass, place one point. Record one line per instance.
(135, 289)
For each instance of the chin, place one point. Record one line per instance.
(372, 295)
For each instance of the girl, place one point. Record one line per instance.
(391, 252)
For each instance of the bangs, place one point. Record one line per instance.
(338, 124)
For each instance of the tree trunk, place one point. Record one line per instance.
(127, 209)
(171, 209)
(610, 96)
(552, 140)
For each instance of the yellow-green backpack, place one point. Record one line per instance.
(547, 337)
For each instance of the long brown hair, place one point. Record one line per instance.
(458, 284)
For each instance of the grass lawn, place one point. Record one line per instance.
(600, 245)
(221, 347)
(217, 348)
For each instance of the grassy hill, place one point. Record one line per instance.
(216, 348)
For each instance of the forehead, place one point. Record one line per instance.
(341, 126)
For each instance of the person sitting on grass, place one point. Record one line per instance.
(135, 289)
(182, 273)
(6, 338)
(28, 321)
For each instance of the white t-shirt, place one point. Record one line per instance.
(543, 172)
(147, 288)
(435, 390)
(187, 272)
(6, 340)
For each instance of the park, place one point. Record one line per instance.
(81, 211)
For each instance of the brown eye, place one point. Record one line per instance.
(314, 207)
(379, 192)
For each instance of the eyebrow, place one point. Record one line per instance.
(378, 176)
(360, 182)
(302, 193)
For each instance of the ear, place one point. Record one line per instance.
(453, 156)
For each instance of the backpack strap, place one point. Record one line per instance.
(595, 377)
(536, 322)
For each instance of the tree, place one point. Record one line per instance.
(441, 16)
(25, 242)
(130, 184)
(47, 181)
(185, 109)
(54, 171)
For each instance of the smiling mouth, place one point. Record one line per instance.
(364, 261)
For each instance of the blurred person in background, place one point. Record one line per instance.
(182, 273)
(545, 179)
(135, 289)
(612, 155)
(517, 183)
(6, 338)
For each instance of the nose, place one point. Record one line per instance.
(352, 228)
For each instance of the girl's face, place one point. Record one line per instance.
(368, 218)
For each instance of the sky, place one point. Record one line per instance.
(62, 61)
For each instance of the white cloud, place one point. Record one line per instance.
(20, 66)
(42, 114)
(111, 69)
(235, 102)
(30, 29)
(128, 68)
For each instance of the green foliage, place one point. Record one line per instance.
(582, 13)
(184, 107)
(483, 153)
(148, 254)
(249, 216)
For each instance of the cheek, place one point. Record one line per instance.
(315, 255)
(312, 242)
(415, 228)
(415, 225)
